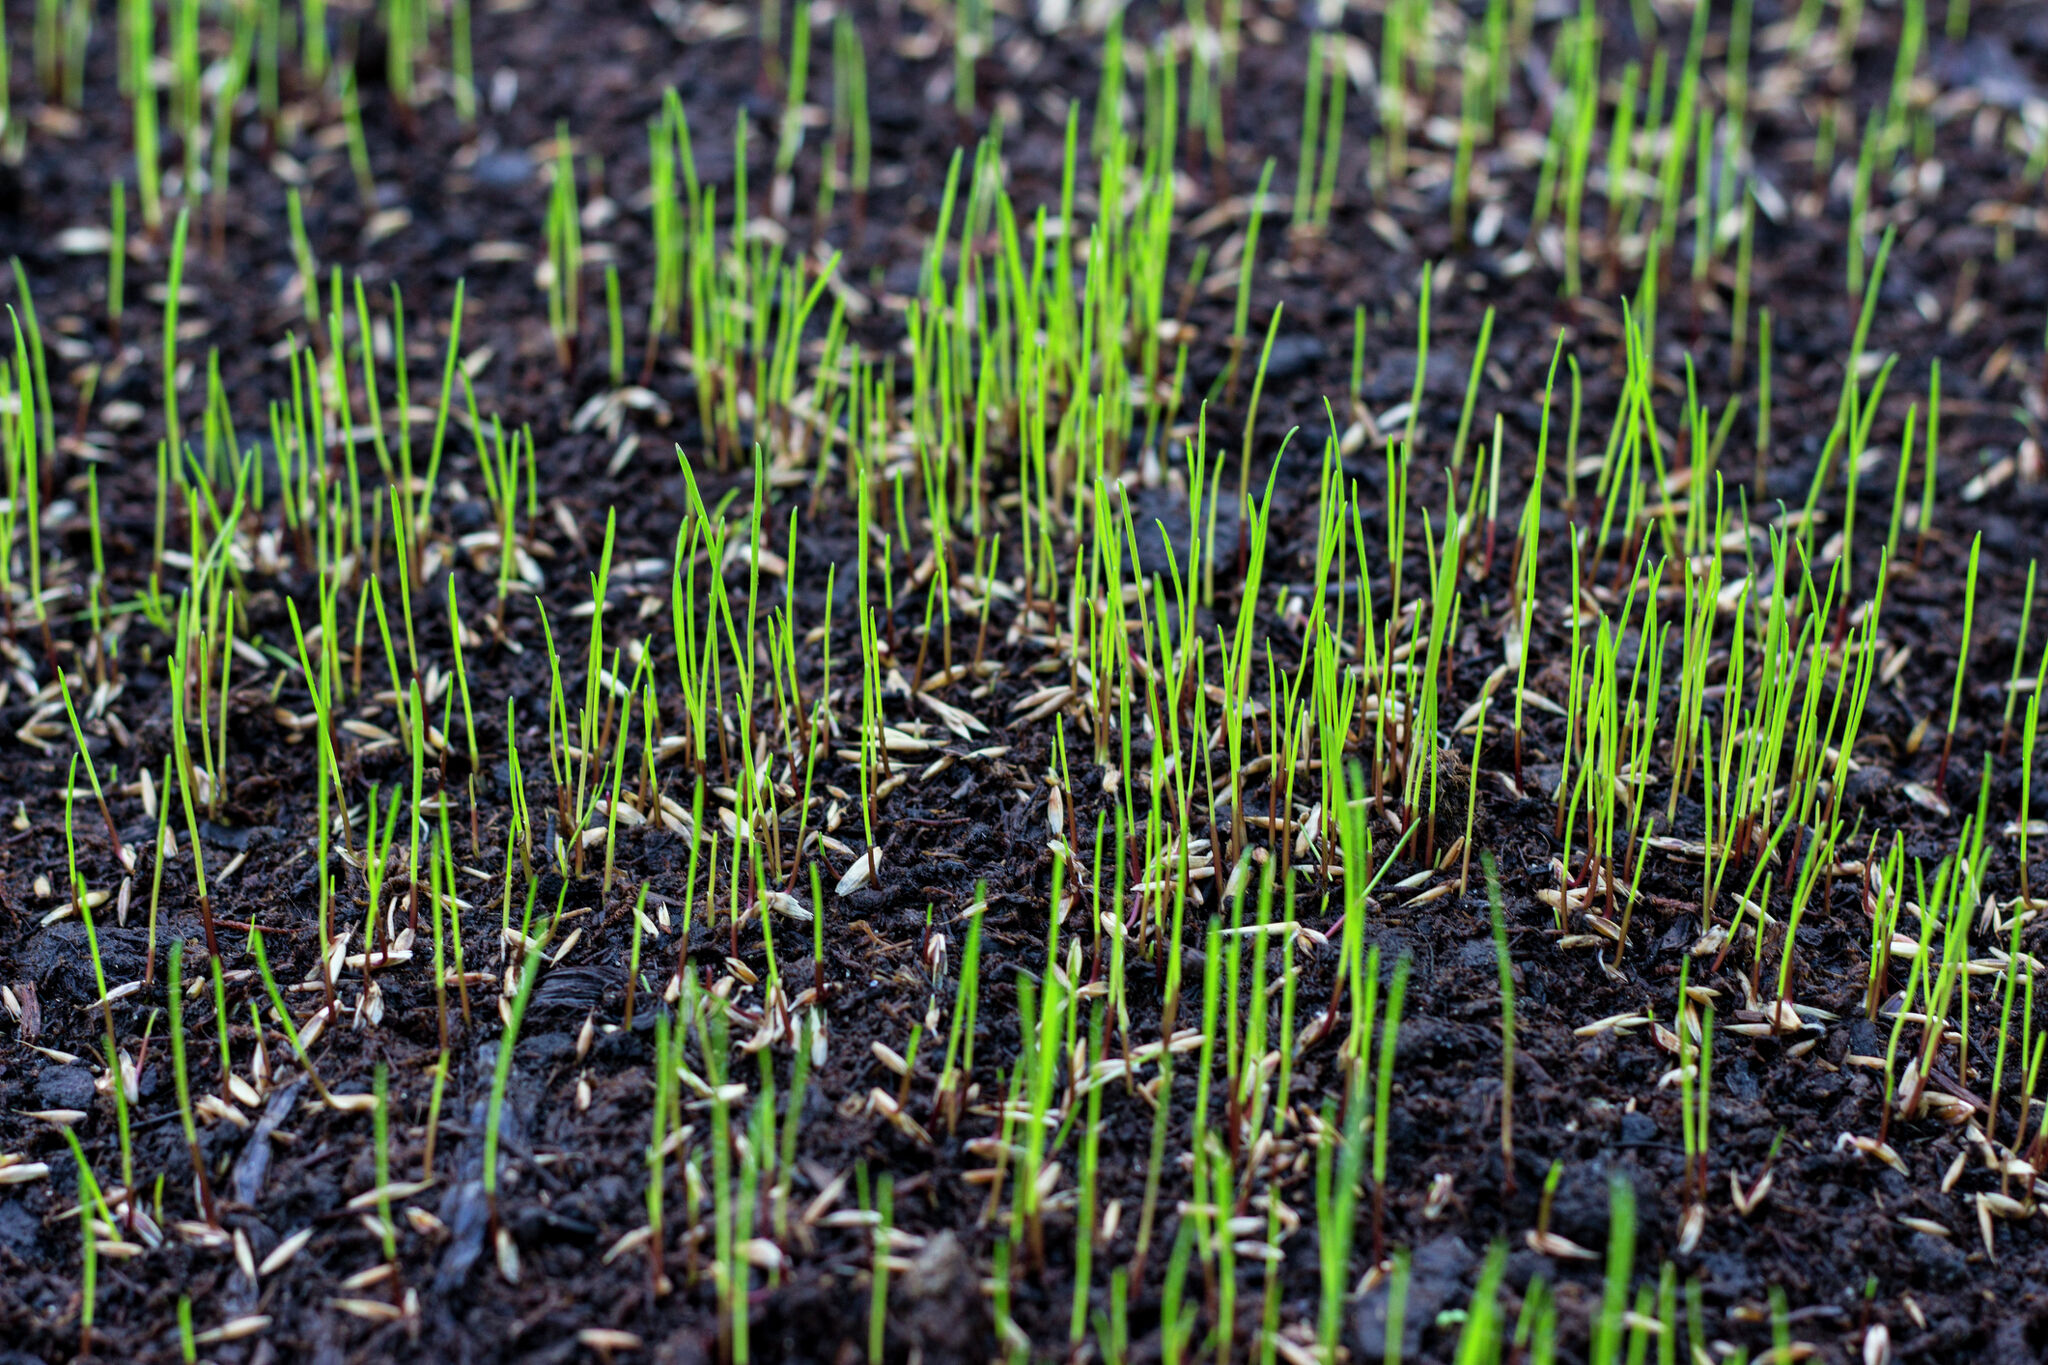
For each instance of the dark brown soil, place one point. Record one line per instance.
(1957, 288)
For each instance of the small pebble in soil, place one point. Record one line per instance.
(1939, 1259)
(65, 1087)
(504, 170)
(1293, 354)
(21, 1232)
(1436, 1281)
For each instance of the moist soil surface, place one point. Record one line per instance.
(1961, 285)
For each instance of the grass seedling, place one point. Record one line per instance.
(614, 326)
(88, 1290)
(117, 257)
(501, 1071)
(1383, 1101)
(1311, 108)
(1621, 1244)
(1507, 1024)
(878, 1275)
(1241, 318)
(1927, 467)
(121, 854)
(118, 1081)
(1763, 401)
(1397, 1306)
(176, 999)
(633, 958)
(345, 1103)
(358, 145)
(140, 26)
(462, 60)
(427, 1142)
(173, 288)
(380, 1141)
(1480, 1337)
(2013, 686)
(1694, 1056)
(657, 1154)
(1955, 701)
(565, 253)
